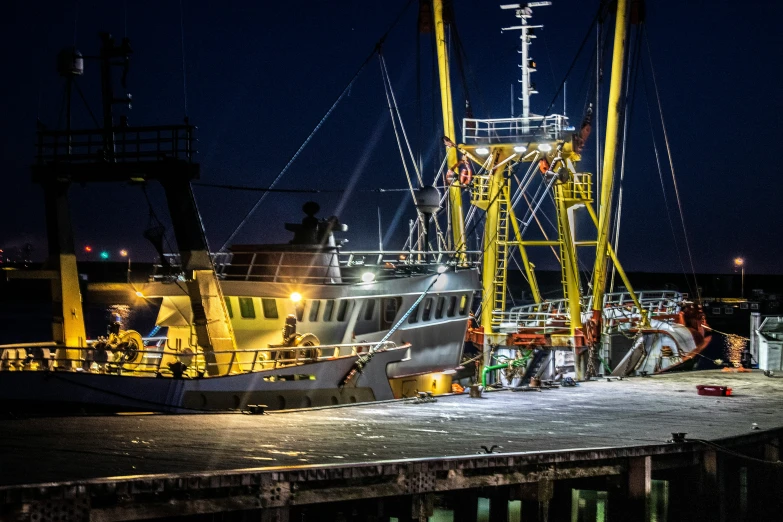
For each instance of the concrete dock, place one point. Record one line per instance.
(596, 436)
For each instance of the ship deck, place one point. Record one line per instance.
(618, 414)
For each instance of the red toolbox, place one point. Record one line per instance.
(707, 389)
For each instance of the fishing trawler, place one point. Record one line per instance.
(261, 327)
(531, 161)
(352, 321)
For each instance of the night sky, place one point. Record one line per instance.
(260, 75)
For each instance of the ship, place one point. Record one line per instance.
(303, 324)
(309, 324)
(511, 169)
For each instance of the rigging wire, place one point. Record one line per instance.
(317, 127)
(663, 187)
(671, 166)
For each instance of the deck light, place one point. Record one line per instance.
(139, 294)
(442, 268)
(545, 147)
(482, 151)
(520, 148)
(296, 297)
(368, 277)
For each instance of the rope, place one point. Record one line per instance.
(671, 166)
(724, 333)
(316, 129)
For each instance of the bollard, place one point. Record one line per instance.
(475, 391)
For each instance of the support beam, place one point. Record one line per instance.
(214, 332)
(613, 120)
(465, 505)
(67, 316)
(455, 191)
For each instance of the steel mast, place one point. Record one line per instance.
(455, 190)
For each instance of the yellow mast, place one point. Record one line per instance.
(455, 191)
(610, 154)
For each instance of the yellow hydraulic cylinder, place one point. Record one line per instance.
(610, 152)
(455, 191)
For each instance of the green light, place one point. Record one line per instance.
(104, 255)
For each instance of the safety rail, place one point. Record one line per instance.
(123, 144)
(325, 267)
(150, 361)
(619, 307)
(514, 130)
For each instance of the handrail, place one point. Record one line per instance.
(324, 267)
(618, 307)
(499, 130)
(151, 360)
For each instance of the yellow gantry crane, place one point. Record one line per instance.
(552, 150)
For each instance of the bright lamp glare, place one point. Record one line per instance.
(368, 277)
(442, 268)
(483, 151)
(139, 294)
(520, 148)
(545, 147)
(296, 297)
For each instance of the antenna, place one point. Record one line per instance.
(523, 12)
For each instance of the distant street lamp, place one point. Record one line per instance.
(740, 263)
(124, 253)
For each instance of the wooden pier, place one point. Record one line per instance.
(595, 451)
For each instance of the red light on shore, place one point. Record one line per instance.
(88, 248)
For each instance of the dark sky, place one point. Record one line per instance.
(260, 75)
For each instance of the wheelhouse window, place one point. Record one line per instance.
(452, 306)
(328, 309)
(343, 309)
(314, 307)
(299, 308)
(414, 317)
(369, 309)
(229, 307)
(269, 307)
(439, 307)
(246, 308)
(391, 305)
(427, 310)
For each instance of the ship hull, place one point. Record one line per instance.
(307, 385)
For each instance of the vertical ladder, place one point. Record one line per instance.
(501, 235)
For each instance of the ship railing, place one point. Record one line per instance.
(157, 359)
(515, 130)
(326, 267)
(619, 308)
(122, 144)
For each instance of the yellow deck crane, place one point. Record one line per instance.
(552, 149)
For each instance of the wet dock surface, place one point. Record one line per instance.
(632, 412)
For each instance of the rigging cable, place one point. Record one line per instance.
(663, 186)
(317, 127)
(671, 166)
